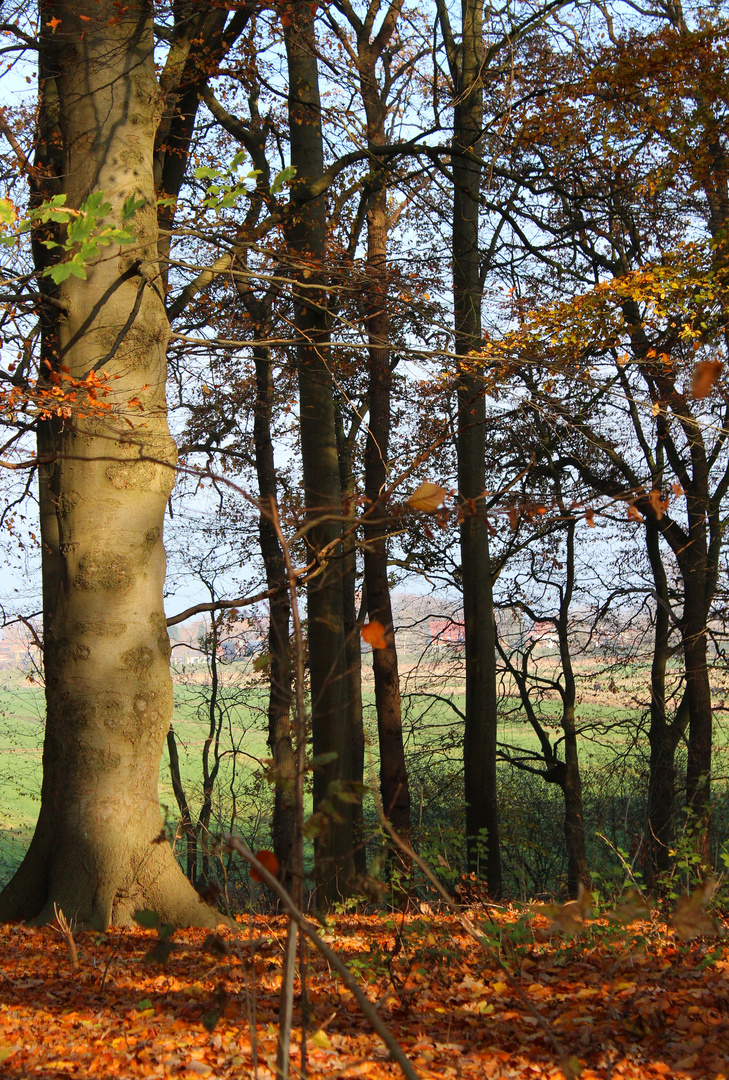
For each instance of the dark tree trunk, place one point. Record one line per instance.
(280, 739)
(188, 829)
(394, 786)
(306, 235)
(574, 826)
(479, 742)
(663, 736)
(99, 849)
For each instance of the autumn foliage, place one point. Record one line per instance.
(637, 1003)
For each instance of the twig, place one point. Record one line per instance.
(368, 1009)
(106, 970)
(67, 935)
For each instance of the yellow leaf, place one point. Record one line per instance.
(322, 1040)
(428, 497)
(499, 987)
(8, 213)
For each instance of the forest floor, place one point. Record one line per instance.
(634, 1003)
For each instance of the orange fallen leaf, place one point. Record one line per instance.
(373, 633)
(268, 861)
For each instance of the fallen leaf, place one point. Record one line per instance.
(268, 861)
(373, 633)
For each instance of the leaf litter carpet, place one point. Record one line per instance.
(638, 1004)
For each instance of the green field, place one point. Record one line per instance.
(432, 732)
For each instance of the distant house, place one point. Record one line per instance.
(544, 632)
(16, 648)
(445, 633)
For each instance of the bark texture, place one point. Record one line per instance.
(306, 235)
(280, 736)
(466, 63)
(99, 850)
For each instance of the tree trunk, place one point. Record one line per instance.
(352, 630)
(394, 786)
(662, 736)
(306, 235)
(698, 767)
(99, 850)
(479, 741)
(574, 825)
(280, 739)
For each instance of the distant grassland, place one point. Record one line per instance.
(431, 728)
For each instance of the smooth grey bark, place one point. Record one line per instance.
(99, 850)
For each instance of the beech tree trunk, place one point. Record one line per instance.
(479, 741)
(99, 850)
(306, 235)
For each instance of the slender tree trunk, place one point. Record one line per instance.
(698, 768)
(352, 639)
(663, 736)
(394, 786)
(280, 739)
(99, 849)
(306, 234)
(479, 742)
(188, 829)
(574, 825)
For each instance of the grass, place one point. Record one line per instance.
(432, 730)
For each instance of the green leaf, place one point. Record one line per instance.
(95, 206)
(63, 271)
(145, 1003)
(130, 207)
(262, 662)
(205, 173)
(284, 177)
(7, 241)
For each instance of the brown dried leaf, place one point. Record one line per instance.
(690, 918)
(705, 375)
(427, 498)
